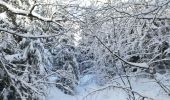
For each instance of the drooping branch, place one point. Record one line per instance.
(15, 79)
(30, 36)
(139, 65)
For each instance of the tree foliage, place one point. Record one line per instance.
(67, 40)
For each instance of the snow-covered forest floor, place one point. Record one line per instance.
(89, 90)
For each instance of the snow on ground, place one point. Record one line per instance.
(144, 86)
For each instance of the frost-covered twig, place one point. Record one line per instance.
(29, 13)
(61, 73)
(118, 87)
(15, 80)
(139, 65)
(150, 61)
(161, 60)
(129, 83)
(12, 79)
(28, 35)
(166, 90)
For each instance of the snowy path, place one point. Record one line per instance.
(144, 86)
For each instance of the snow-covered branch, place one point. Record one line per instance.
(29, 13)
(139, 65)
(15, 79)
(118, 87)
(28, 35)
